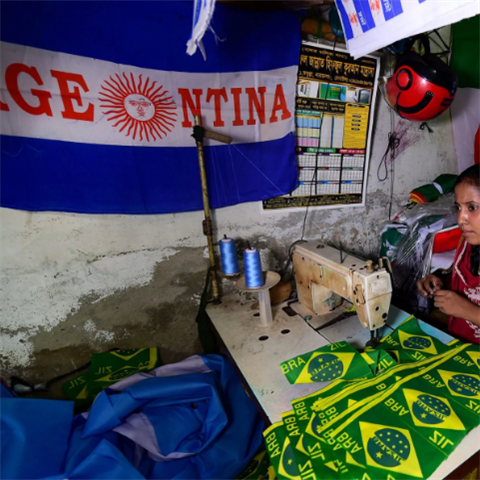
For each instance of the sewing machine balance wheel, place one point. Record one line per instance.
(270, 280)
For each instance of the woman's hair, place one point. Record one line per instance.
(471, 176)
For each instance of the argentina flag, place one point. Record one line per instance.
(371, 25)
(97, 105)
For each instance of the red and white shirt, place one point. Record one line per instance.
(468, 285)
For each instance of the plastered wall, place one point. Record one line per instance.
(77, 284)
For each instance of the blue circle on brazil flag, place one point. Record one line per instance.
(430, 410)
(464, 385)
(418, 343)
(325, 367)
(315, 424)
(289, 463)
(388, 447)
(302, 444)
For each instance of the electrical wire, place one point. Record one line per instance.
(390, 154)
(392, 144)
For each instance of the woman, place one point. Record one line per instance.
(459, 295)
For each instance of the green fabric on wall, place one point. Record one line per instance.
(465, 59)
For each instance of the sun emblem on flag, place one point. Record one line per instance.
(375, 5)
(143, 110)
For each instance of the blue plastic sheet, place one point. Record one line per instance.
(105, 461)
(5, 391)
(197, 422)
(34, 435)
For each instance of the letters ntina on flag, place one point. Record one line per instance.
(98, 101)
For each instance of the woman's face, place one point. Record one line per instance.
(467, 201)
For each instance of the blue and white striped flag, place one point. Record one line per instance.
(97, 101)
(370, 25)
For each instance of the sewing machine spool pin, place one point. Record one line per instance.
(265, 306)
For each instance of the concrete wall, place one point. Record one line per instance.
(77, 284)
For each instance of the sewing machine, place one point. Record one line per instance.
(256, 350)
(325, 276)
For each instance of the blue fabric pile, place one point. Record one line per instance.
(181, 421)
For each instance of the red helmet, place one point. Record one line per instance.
(421, 88)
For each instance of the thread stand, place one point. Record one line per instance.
(233, 277)
(265, 306)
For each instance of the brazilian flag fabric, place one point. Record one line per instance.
(258, 468)
(281, 453)
(331, 362)
(348, 399)
(108, 368)
(409, 343)
(309, 424)
(378, 360)
(289, 458)
(384, 435)
(400, 422)
(304, 453)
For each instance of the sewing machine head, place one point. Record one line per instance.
(325, 276)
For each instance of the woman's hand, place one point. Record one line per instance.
(427, 286)
(456, 305)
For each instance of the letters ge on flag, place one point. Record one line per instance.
(102, 123)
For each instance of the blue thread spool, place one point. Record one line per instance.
(228, 256)
(253, 268)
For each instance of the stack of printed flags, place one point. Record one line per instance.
(400, 420)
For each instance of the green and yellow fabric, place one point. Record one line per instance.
(355, 396)
(259, 468)
(409, 343)
(433, 191)
(306, 453)
(108, 368)
(383, 436)
(308, 423)
(400, 424)
(331, 362)
(281, 453)
(378, 361)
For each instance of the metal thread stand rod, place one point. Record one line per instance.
(199, 134)
(265, 307)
